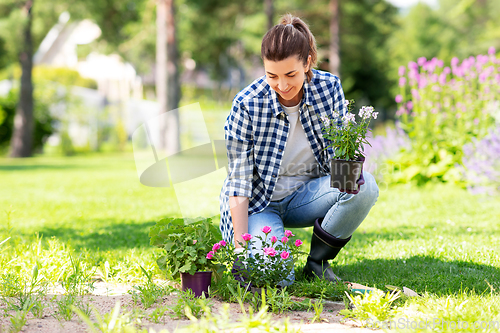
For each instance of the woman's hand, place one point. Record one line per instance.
(360, 181)
(239, 215)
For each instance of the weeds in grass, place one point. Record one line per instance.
(187, 299)
(239, 294)
(23, 296)
(79, 281)
(255, 300)
(105, 271)
(221, 288)
(278, 300)
(8, 222)
(113, 322)
(65, 305)
(18, 320)
(318, 288)
(149, 293)
(223, 322)
(38, 305)
(375, 305)
(318, 310)
(158, 314)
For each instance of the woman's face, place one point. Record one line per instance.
(286, 77)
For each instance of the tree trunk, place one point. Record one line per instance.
(167, 87)
(269, 13)
(174, 86)
(22, 138)
(334, 38)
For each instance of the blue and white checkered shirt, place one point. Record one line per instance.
(256, 133)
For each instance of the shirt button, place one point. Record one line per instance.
(280, 150)
(274, 176)
(286, 124)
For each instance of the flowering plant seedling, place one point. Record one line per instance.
(346, 136)
(268, 265)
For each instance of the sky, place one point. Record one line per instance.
(405, 4)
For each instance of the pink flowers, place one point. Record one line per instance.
(399, 99)
(210, 255)
(270, 251)
(266, 229)
(421, 61)
(402, 70)
(260, 254)
(215, 248)
(402, 81)
(246, 237)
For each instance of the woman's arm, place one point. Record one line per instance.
(239, 145)
(239, 215)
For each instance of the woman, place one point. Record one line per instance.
(278, 168)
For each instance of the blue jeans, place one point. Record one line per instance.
(342, 213)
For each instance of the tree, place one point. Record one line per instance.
(22, 138)
(269, 7)
(167, 74)
(334, 38)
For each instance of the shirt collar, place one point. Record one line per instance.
(307, 98)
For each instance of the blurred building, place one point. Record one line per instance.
(118, 84)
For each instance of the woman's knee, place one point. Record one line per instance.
(370, 188)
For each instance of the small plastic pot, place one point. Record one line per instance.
(199, 282)
(344, 174)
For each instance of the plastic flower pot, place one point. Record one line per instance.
(198, 282)
(344, 174)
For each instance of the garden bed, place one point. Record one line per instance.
(105, 296)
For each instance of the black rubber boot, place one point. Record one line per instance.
(323, 247)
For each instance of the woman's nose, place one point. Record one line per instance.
(282, 85)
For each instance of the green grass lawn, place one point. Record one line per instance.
(438, 240)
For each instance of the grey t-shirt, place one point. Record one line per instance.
(298, 164)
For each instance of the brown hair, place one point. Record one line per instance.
(288, 38)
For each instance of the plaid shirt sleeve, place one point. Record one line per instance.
(239, 146)
(339, 106)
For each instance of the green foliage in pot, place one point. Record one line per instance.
(345, 135)
(184, 244)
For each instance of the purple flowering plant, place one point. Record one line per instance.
(346, 136)
(383, 151)
(262, 266)
(481, 164)
(442, 108)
